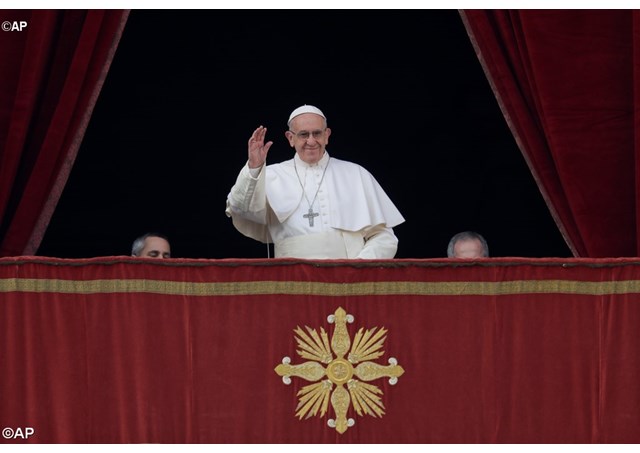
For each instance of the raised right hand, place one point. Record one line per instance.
(258, 149)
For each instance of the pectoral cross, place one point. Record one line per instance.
(310, 216)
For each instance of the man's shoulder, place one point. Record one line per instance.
(281, 165)
(333, 162)
(347, 165)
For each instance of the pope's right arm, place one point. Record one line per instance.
(247, 204)
(247, 198)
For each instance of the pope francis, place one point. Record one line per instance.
(313, 206)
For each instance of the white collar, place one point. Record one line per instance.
(321, 163)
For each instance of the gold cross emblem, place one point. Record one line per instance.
(340, 371)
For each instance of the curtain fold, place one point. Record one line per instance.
(58, 64)
(566, 81)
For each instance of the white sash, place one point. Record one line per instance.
(327, 245)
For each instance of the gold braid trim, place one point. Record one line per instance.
(384, 288)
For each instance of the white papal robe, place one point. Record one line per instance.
(352, 216)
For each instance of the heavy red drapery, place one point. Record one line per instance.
(569, 86)
(116, 349)
(54, 65)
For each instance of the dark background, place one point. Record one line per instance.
(404, 94)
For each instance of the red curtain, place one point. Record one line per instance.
(53, 66)
(111, 350)
(568, 83)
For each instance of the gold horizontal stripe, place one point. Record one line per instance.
(317, 288)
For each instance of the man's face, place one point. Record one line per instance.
(155, 247)
(470, 248)
(309, 136)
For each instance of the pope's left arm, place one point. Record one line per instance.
(379, 243)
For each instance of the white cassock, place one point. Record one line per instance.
(341, 214)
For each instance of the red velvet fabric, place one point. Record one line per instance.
(567, 82)
(112, 350)
(50, 78)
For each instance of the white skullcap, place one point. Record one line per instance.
(305, 109)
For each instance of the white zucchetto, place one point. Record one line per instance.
(305, 109)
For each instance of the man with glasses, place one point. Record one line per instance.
(312, 206)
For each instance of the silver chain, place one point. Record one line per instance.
(305, 182)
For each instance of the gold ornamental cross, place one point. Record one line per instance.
(340, 371)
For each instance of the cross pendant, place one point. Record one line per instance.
(310, 216)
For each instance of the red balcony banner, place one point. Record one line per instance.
(502, 350)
